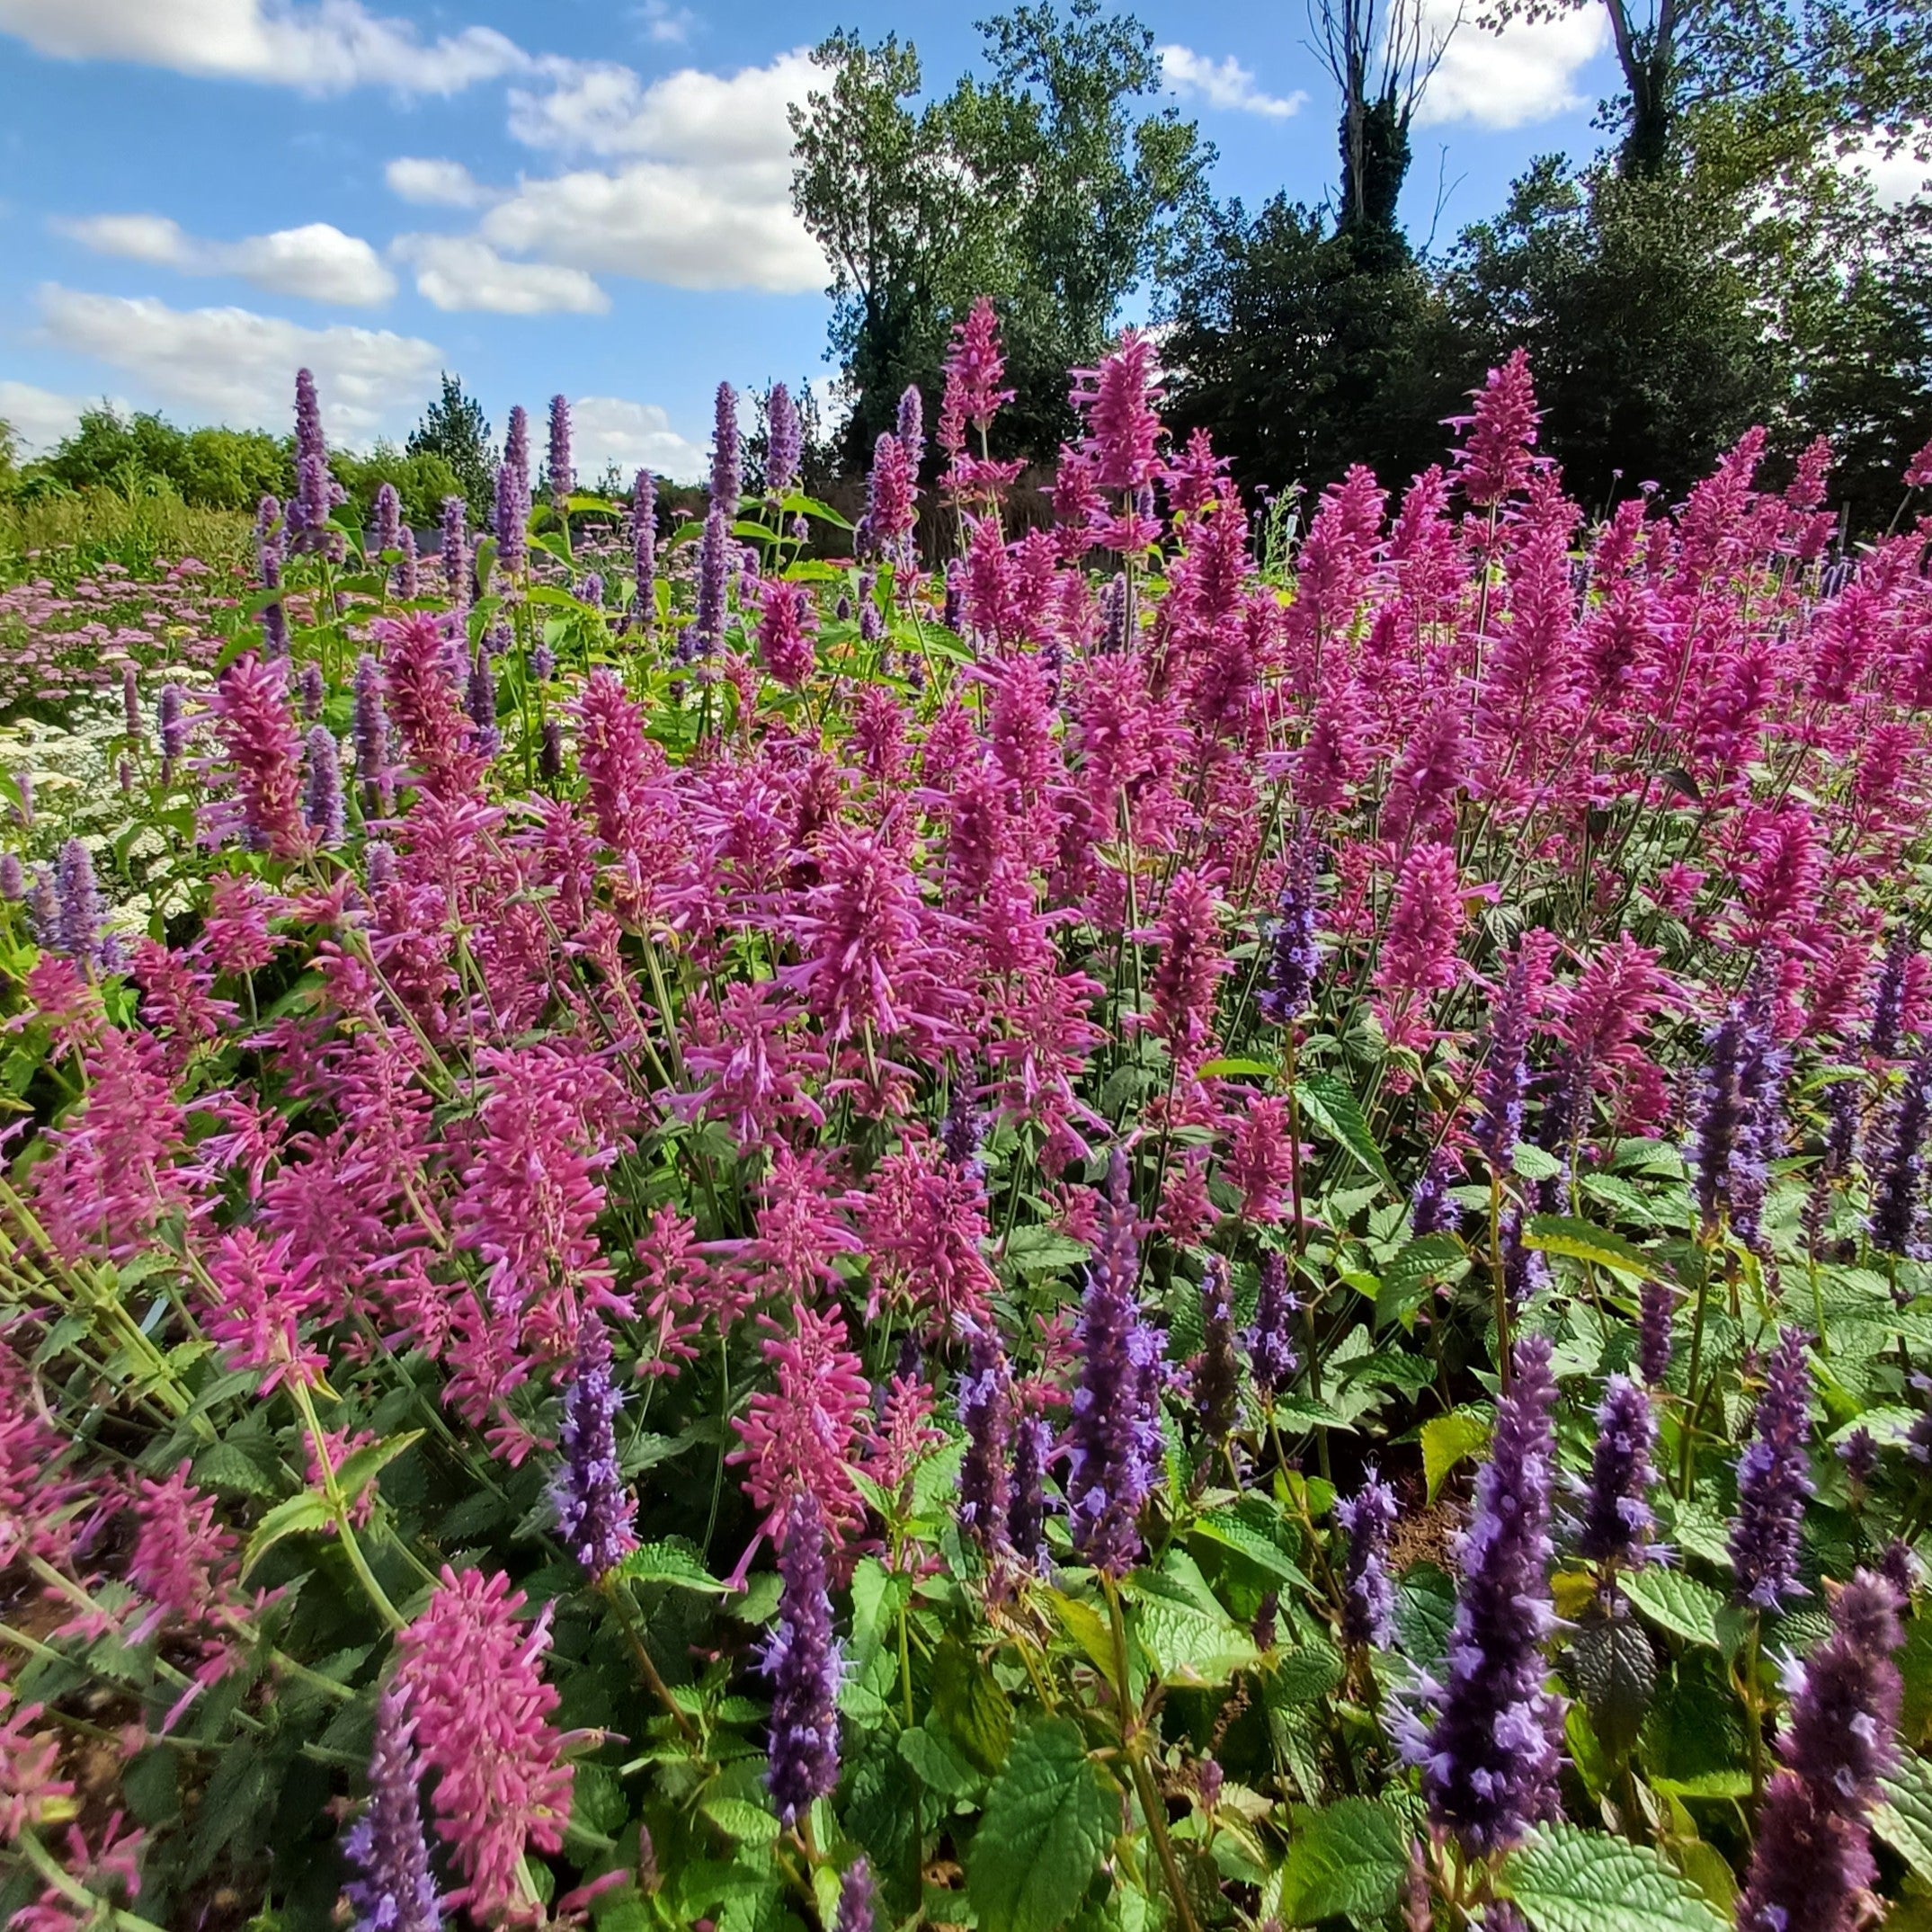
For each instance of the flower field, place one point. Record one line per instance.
(1200, 1219)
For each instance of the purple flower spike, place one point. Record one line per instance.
(1217, 1375)
(1812, 1867)
(171, 722)
(388, 520)
(642, 548)
(1114, 1440)
(455, 554)
(1368, 1597)
(1026, 1522)
(1774, 1480)
(707, 631)
(596, 1514)
(1491, 1759)
(727, 461)
(393, 1890)
(784, 440)
(1431, 1210)
(78, 911)
(511, 522)
(1657, 1310)
(802, 1662)
(1271, 1353)
(322, 788)
(562, 478)
(856, 1900)
(1294, 956)
(986, 1403)
(1898, 1205)
(1617, 1520)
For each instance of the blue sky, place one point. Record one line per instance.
(197, 195)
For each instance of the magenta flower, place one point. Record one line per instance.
(787, 624)
(1118, 401)
(1185, 983)
(472, 1678)
(1495, 457)
(257, 779)
(974, 367)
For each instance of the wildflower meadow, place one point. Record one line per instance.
(1188, 1214)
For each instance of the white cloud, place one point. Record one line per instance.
(1897, 178)
(318, 262)
(39, 418)
(605, 429)
(597, 107)
(1527, 72)
(660, 222)
(320, 47)
(461, 272)
(699, 195)
(435, 183)
(1223, 84)
(234, 366)
(666, 25)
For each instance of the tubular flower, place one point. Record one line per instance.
(974, 367)
(802, 1663)
(393, 1890)
(1114, 1437)
(596, 1514)
(1119, 400)
(560, 476)
(474, 1683)
(1898, 1205)
(787, 624)
(1491, 1757)
(1418, 948)
(1217, 1375)
(510, 521)
(1185, 978)
(1271, 1356)
(856, 1896)
(1811, 1866)
(321, 789)
(258, 777)
(1026, 1520)
(1656, 1313)
(727, 457)
(1774, 1479)
(1617, 1519)
(1294, 956)
(985, 1405)
(1505, 1076)
(78, 910)
(642, 548)
(455, 554)
(1368, 1596)
(1495, 458)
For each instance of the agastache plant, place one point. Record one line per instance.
(1773, 1481)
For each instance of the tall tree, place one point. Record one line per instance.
(454, 427)
(1044, 185)
(1381, 55)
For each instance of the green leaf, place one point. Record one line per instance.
(1047, 1821)
(1584, 1241)
(309, 1510)
(1903, 1816)
(1534, 1163)
(673, 1561)
(1347, 1860)
(811, 506)
(1231, 1069)
(1564, 1879)
(1224, 1527)
(1332, 1107)
(971, 1706)
(940, 1764)
(1187, 1643)
(1615, 1669)
(1086, 1628)
(1682, 1606)
(224, 1466)
(1424, 1609)
(740, 1819)
(1447, 1441)
(359, 1470)
(1037, 1249)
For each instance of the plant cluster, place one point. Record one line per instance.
(1169, 1229)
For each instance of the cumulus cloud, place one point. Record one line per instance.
(435, 183)
(606, 429)
(697, 193)
(664, 24)
(38, 417)
(1527, 72)
(660, 222)
(321, 46)
(1894, 178)
(234, 366)
(1223, 84)
(317, 261)
(459, 272)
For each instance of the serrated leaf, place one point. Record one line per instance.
(673, 1561)
(1584, 1241)
(1332, 1107)
(1047, 1821)
(1424, 1609)
(1615, 1670)
(1564, 1879)
(291, 1518)
(1187, 1643)
(1086, 1628)
(1903, 1816)
(1534, 1163)
(1347, 1860)
(1224, 1527)
(1448, 1440)
(973, 1709)
(1230, 1068)
(222, 1466)
(359, 1470)
(938, 1762)
(1682, 1606)
(742, 1820)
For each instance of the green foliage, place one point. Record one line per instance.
(1345, 1861)
(455, 430)
(1039, 186)
(207, 468)
(423, 478)
(1568, 1880)
(1046, 1820)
